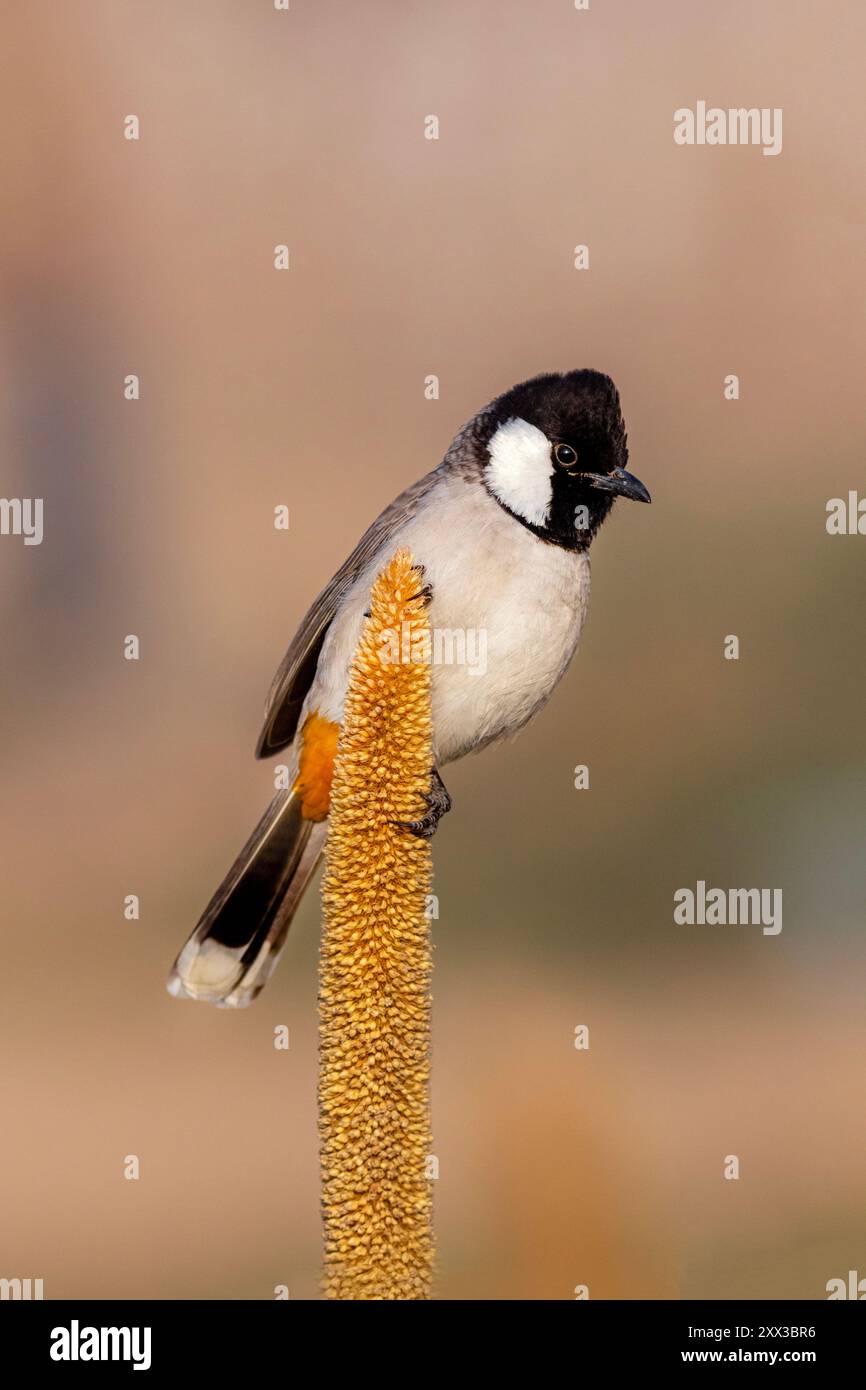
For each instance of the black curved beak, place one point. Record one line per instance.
(620, 482)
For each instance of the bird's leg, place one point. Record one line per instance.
(438, 802)
(426, 590)
(436, 799)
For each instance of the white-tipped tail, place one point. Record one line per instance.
(229, 957)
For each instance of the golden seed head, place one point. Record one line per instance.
(375, 963)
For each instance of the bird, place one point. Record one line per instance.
(501, 531)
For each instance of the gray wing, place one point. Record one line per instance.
(295, 675)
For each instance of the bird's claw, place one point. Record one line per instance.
(438, 803)
(426, 591)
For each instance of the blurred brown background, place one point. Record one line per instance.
(454, 257)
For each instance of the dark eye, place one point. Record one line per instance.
(564, 455)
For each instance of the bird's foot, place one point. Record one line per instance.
(438, 803)
(426, 590)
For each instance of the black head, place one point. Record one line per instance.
(554, 454)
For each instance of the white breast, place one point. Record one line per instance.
(506, 614)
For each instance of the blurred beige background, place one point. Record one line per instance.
(453, 257)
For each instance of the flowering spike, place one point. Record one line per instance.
(375, 962)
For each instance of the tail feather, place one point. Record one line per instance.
(233, 949)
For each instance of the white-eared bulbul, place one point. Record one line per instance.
(502, 529)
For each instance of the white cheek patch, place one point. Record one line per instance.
(520, 471)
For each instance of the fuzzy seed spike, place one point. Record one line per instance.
(375, 963)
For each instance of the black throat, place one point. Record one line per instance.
(575, 514)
